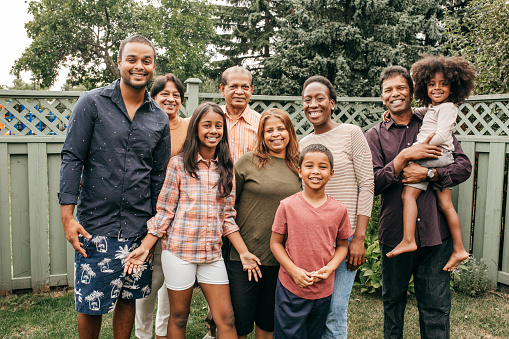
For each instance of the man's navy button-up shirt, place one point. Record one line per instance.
(113, 168)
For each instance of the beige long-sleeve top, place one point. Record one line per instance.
(352, 182)
(441, 120)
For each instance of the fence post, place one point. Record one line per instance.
(193, 90)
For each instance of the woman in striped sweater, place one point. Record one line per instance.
(352, 184)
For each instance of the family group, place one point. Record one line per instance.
(270, 227)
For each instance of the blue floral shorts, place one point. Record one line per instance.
(99, 279)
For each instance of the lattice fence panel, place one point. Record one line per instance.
(363, 114)
(46, 113)
(484, 117)
(35, 116)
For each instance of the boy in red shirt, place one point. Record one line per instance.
(312, 223)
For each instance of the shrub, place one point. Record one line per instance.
(369, 275)
(471, 278)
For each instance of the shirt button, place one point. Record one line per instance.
(127, 170)
(418, 219)
(408, 144)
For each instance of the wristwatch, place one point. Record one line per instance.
(430, 175)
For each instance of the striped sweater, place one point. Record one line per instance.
(352, 182)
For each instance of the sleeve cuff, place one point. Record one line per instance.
(67, 199)
(230, 231)
(389, 173)
(444, 178)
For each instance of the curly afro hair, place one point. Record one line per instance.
(457, 71)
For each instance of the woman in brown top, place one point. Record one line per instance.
(263, 178)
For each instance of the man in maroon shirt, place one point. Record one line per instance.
(393, 151)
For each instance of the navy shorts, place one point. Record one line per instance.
(99, 279)
(296, 317)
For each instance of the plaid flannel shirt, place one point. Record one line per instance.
(191, 216)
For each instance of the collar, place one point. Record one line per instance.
(391, 122)
(443, 104)
(200, 159)
(247, 115)
(113, 91)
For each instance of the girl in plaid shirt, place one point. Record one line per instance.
(195, 208)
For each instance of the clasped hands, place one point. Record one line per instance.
(303, 278)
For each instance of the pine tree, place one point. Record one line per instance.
(350, 42)
(247, 29)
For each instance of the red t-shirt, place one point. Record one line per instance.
(311, 238)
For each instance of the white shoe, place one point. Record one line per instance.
(208, 336)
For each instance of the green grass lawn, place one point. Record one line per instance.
(52, 315)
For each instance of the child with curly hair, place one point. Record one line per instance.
(441, 83)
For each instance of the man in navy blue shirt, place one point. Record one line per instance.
(113, 162)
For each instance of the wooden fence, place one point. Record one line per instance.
(34, 253)
(33, 249)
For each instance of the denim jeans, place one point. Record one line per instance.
(335, 326)
(432, 289)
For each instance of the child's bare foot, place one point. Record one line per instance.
(456, 258)
(403, 247)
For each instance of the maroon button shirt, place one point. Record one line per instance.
(387, 140)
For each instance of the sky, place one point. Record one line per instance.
(15, 40)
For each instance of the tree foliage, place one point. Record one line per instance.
(481, 35)
(84, 35)
(350, 42)
(183, 31)
(247, 28)
(20, 85)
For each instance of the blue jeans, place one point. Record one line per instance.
(432, 289)
(335, 326)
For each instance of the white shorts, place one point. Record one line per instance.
(180, 275)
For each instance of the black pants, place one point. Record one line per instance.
(252, 301)
(432, 289)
